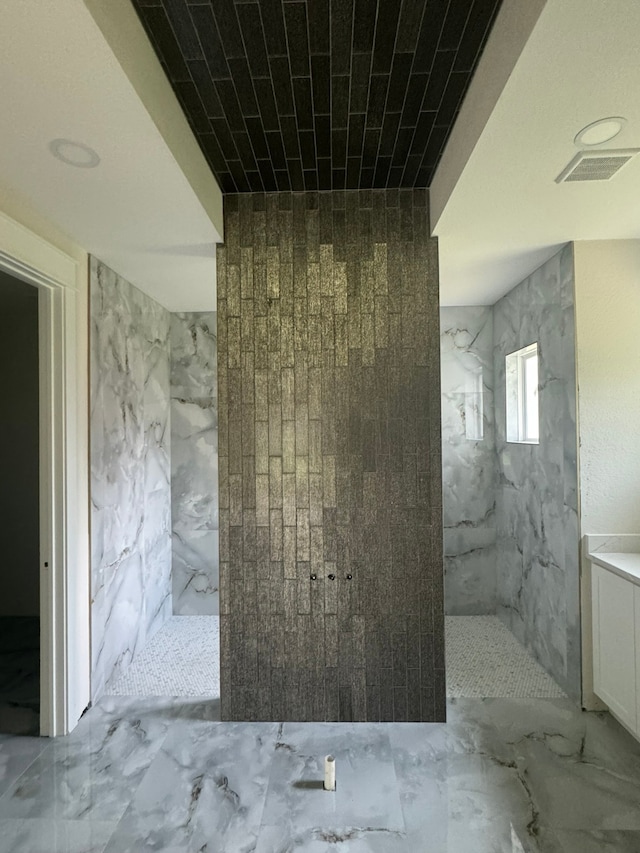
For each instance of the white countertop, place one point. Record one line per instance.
(625, 565)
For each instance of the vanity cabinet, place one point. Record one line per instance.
(616, 644)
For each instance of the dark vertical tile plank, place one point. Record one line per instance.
(295, 16)
(339, 101)
(429, 36)
(409, 24)
(319, 36)
(321, 84)
(225, 14)
(303, 102)
(341, 31)
(479, 23)
(364, 25)
(164, 39)
(182, 25)
(230, 104)
(204, 84)
(377, 99)
(253, 36)
(454, 24)
(438, 79)
(323, 136)
(281, 75)
(273, 25)
(413, 101)
(385, 38)
(267, 104)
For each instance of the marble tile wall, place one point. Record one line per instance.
(468, 460)
(194, 464)
(130, 472)
(331, 581)
(536, 509)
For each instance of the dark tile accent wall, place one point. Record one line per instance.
(331, 593)
(319, 95)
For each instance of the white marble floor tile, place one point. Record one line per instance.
(451, 781)
(584, 797)
(604, 841)
(583, 769)
(366, 796)
(16, 754)
(204, 791)
(282, 839)
(54, 836)
(92, 773)
(475, 836)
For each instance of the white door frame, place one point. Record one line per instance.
(64, 692)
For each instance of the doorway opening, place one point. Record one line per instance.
(60, 458)
(19, 509)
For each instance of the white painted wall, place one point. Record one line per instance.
(607, 284)
(608, 342)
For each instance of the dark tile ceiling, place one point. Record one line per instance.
(321, 94)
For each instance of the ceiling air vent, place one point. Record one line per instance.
(596, 165)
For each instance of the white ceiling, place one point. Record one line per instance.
(505, 214)
(550, 68)
(136, 211)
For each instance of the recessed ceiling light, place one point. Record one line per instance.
(600, 131)
(74, 153)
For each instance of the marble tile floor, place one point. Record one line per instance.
(19, 675)
(161, 774)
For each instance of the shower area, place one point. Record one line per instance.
(154, 493)
(510, 506)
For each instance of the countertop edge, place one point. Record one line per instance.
(615, 562)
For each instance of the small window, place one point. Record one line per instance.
(523, 423)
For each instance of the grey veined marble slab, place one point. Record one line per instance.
(194, 464)
(16, 754)
(537, 519)
(130, 472)
(206, 791)
(92, 773)
(55, 836)
(367, 795)
(468, 460)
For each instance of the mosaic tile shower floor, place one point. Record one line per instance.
(181, 659)
(484, 659)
